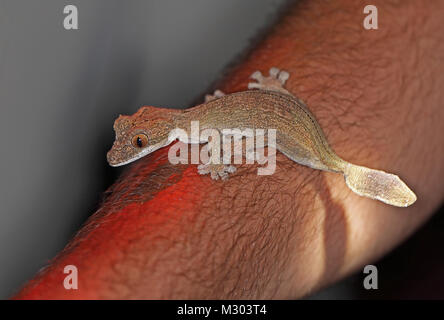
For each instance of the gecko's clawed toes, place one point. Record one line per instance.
(217, 94)
(216, 171)
(254, 85)
(274, 72)
(203, 169)
(278, 74)
(257, 75)
(283, 76)
(214, 175)
(275, 81)
(230, 169)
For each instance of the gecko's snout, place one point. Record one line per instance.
(121, 154)
(112, 159)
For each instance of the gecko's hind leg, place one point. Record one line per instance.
(216, 171)
(275, 81)
(215, 95)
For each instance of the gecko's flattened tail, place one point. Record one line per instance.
(380, 185)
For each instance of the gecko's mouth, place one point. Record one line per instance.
(116, 162)
(112, 159)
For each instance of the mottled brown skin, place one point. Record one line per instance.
(299, 135)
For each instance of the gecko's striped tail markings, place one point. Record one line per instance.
(379, 185)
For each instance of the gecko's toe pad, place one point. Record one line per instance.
(215, 95)
(216, 171)
(275, 81)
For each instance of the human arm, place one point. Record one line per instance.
(166, 232)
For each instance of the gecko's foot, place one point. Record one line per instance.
(216, 170)
(215, 95)
(275, 81)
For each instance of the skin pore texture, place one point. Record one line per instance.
(164, 231)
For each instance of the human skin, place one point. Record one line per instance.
(166, 232)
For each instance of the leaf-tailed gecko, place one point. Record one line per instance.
(267, 104)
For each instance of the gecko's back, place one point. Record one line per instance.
(298, 134)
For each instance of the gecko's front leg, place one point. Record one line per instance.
(216, 169)
(274, 82)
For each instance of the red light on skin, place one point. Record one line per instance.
(137, 213)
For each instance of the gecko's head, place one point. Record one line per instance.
(140, 134)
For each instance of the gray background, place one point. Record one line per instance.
(60, 92)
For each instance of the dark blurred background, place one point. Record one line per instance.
(60, 91)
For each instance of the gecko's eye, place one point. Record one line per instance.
(139, 140)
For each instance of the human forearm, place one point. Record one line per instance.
(166, 232)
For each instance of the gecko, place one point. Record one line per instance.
(266, 104)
